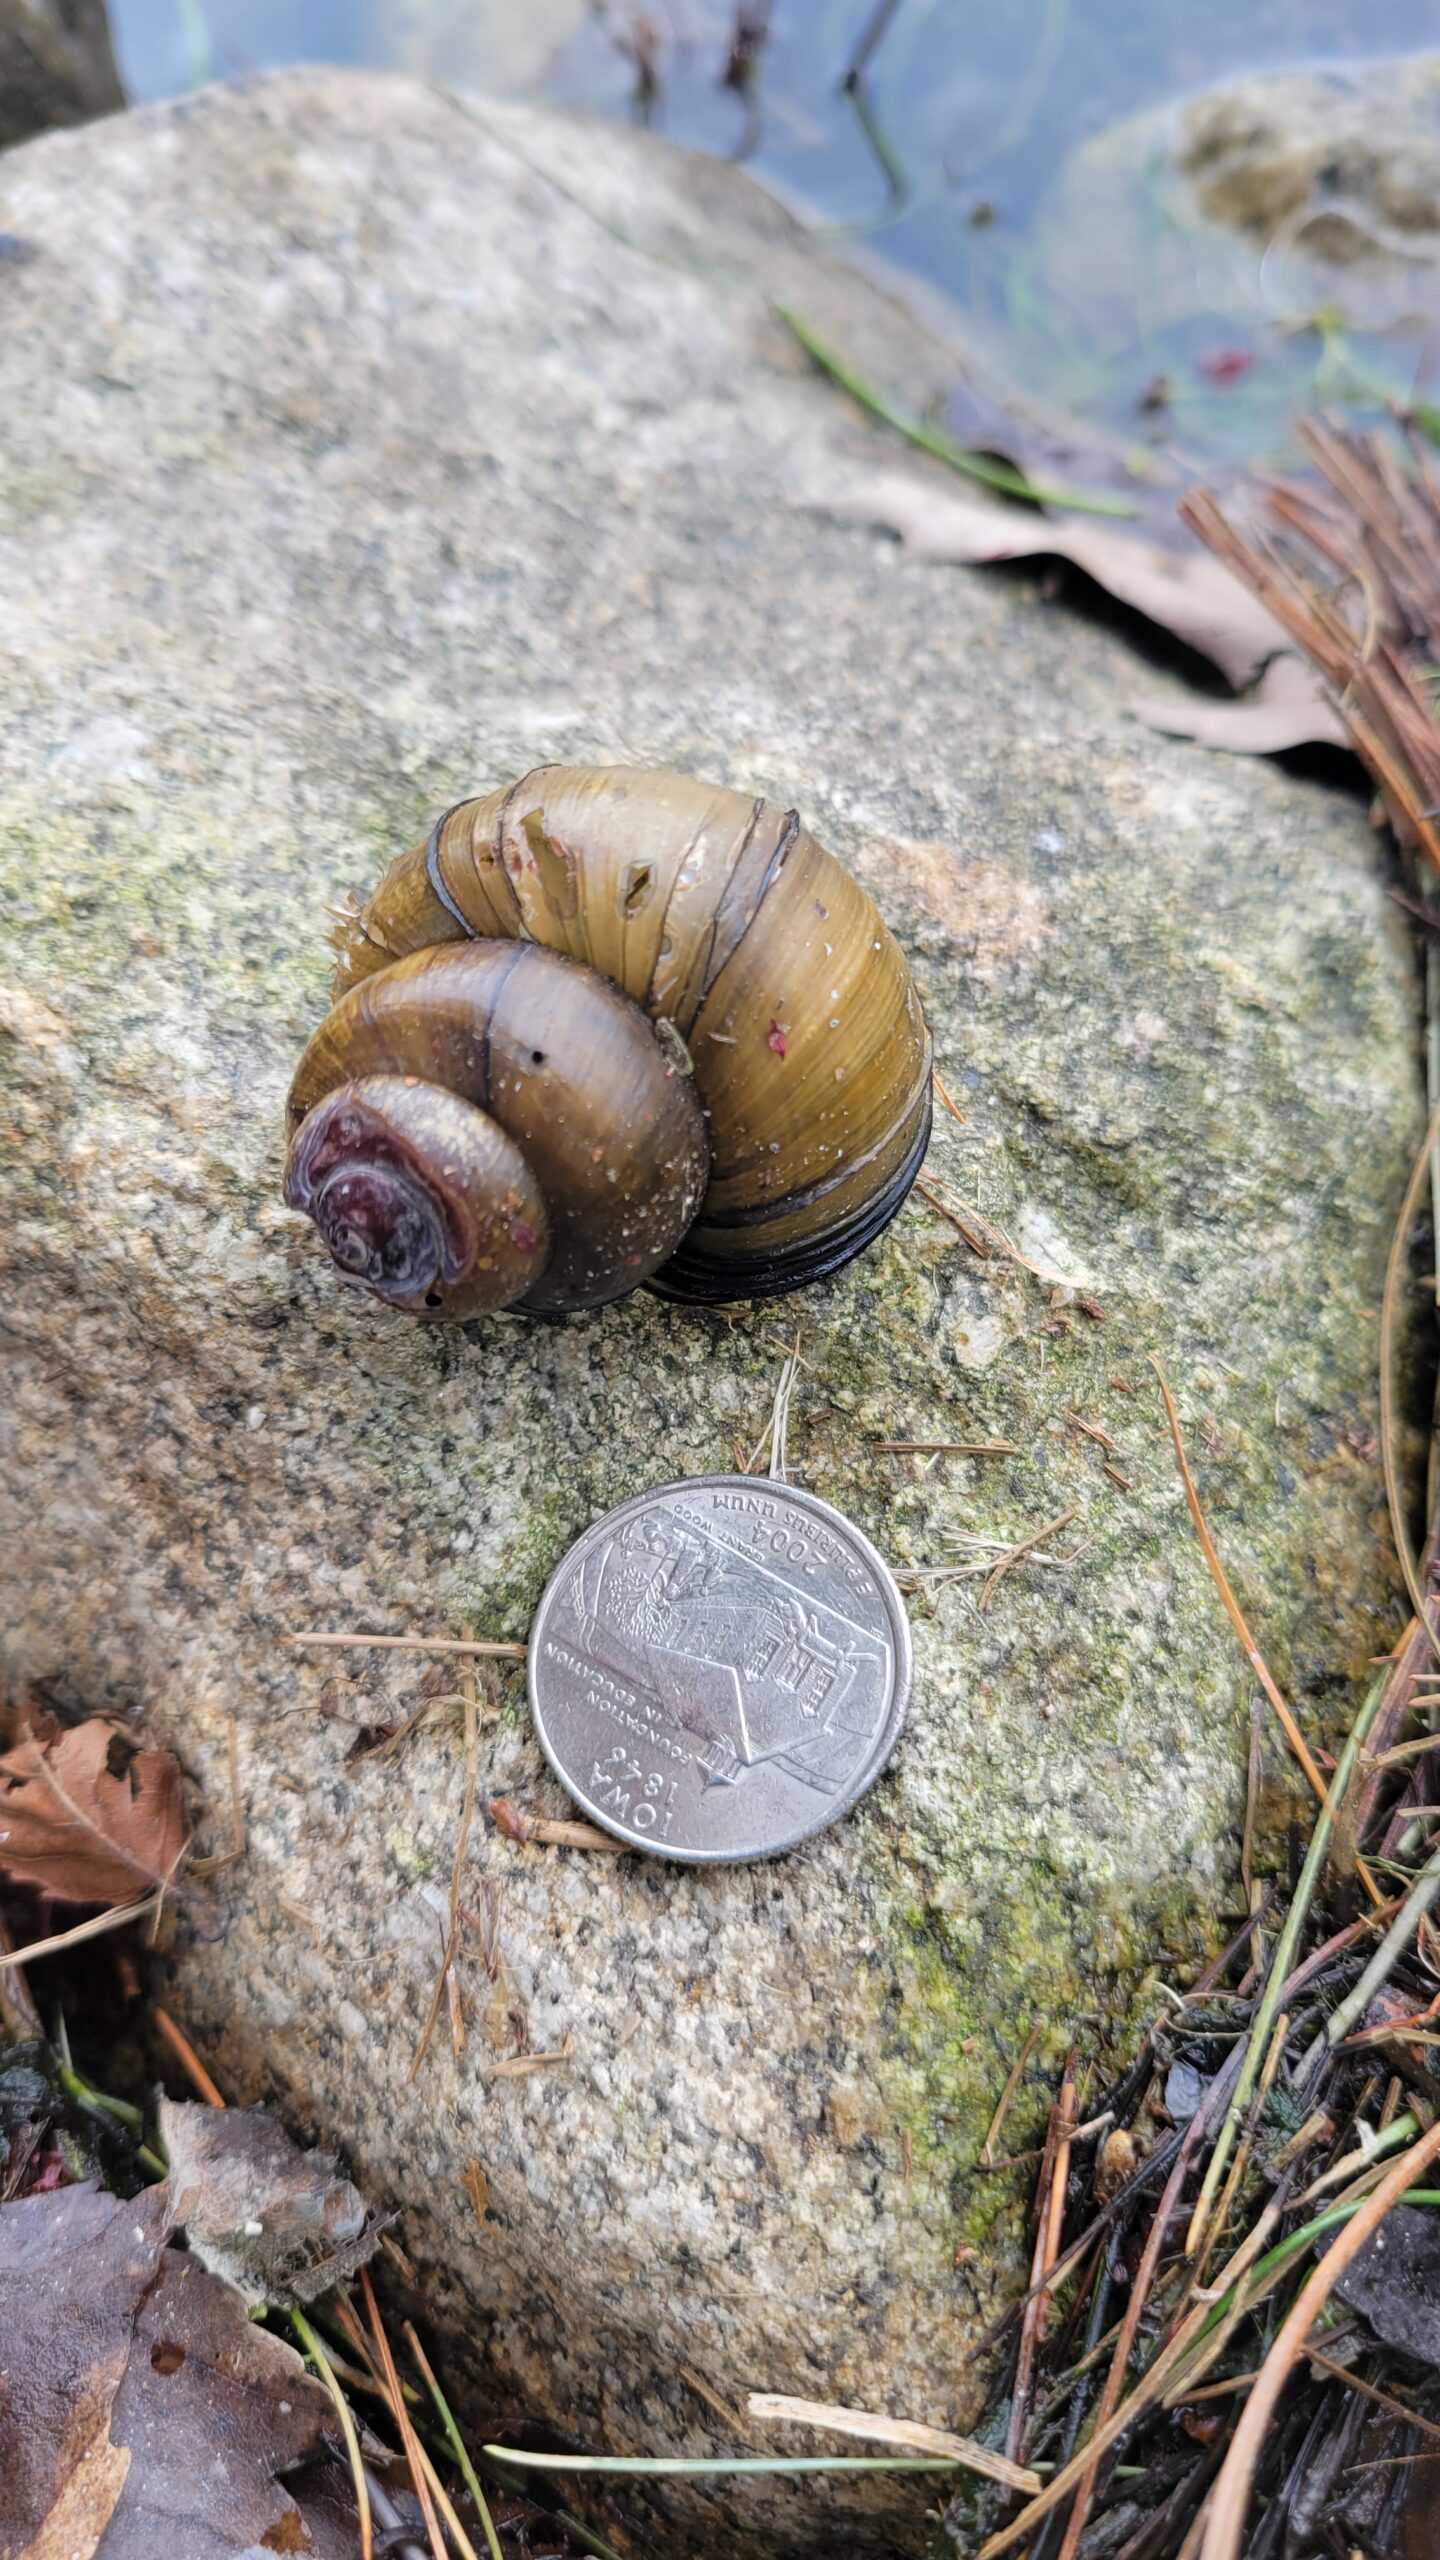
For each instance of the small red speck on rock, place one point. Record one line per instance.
(777, 1039)
(1224, 365)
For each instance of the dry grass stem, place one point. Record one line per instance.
(384, 2364)
(122, 1914)
(521, 2065)
(948, 1448)
(413, 1644)
(985, 2157)
(228, 1857)
(1236, 1616)
(1022, 1548)
(462, 1844)
(907, 2434)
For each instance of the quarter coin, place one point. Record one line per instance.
(719, 1669)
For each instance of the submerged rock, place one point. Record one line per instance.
(1344, 158)
(360, 446)
(1245, 253)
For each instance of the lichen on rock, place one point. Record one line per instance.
(360, 446)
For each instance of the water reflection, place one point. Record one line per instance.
(1023, 160)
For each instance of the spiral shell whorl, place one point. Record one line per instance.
(725, 921)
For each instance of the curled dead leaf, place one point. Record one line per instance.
(89, 1817)
(1187, 593)
(278, 2222)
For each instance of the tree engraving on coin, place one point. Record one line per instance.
(719, 1669)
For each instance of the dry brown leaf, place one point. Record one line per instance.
(142, 2412)
(210, 2410)
(74, 2268)
(1288, 708)
(1188, 593)
(87, 1817)
(280, 2223)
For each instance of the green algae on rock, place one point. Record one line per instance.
(289, 577)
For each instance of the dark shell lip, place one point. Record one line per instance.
(698, 1281)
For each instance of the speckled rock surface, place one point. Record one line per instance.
(357, 448)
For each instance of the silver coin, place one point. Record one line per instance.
(719, 1669)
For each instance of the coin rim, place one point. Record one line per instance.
(890, 1732)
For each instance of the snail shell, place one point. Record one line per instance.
(609, 1026)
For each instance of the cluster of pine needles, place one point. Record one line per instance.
(1230, 2348)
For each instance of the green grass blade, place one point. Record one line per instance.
(933, 440)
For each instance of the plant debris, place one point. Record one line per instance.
(128, 2369)
(278, 2223)
(1197, 600)
(1351, 568)
(87, 1816)
(1230, 2348)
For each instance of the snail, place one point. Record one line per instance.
(609, 1026)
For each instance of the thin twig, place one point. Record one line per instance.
(541, 1828)
(186, 2055)
(1231, 2497)
(401, 2416)
(1379, 1969)
(1368, 2391)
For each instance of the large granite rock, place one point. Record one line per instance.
(359, 446)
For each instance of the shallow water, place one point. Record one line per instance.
(988, 152)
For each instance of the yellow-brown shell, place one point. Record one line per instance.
(758, 959)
